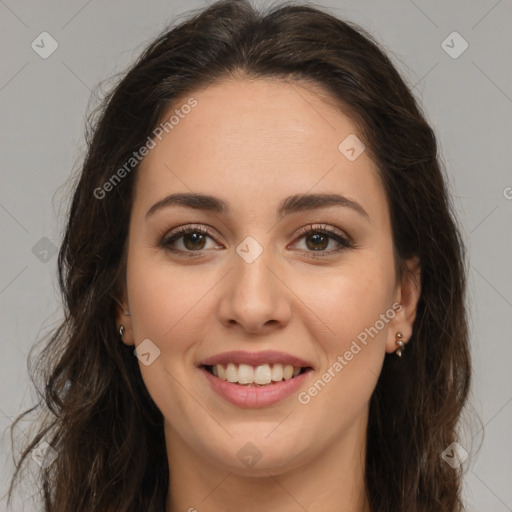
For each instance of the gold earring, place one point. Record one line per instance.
(121, 331)
(399, 343)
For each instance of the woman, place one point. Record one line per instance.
(261, 219)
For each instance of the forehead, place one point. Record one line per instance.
(248, 139)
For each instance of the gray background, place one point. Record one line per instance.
(468, 100)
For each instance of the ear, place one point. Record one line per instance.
(407, 295)
(123, 317)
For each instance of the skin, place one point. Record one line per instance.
(252, 143)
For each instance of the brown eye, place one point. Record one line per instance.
(318, 238)
(192, 239)
(319, 241)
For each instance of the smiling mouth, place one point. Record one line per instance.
(255, 376)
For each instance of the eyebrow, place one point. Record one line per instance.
(292, 204)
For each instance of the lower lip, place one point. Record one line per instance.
(255, 397)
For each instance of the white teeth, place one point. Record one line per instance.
(262, 375)
(245, 374)
(221, 372)
(277, 372)
(231, 373)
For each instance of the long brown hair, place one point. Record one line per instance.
(104, 426)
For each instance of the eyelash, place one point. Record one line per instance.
(167, 241)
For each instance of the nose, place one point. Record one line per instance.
(255, 298)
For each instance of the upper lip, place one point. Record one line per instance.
(255, 358)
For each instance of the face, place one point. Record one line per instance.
(251, 278)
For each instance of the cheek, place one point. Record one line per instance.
(166, 307)
(352, 313)
(159, 297)
(168, 303)
(349, 299)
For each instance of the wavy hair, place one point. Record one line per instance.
(99, 417)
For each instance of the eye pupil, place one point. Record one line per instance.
(196, 237)
(317, 237)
